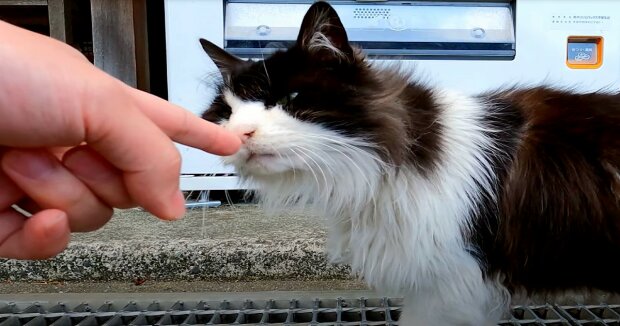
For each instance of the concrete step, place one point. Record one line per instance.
(224, 243)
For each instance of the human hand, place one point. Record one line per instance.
(75, 142)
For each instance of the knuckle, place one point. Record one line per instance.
(103, 89)
(173, 161)
(176, 160)
(184, 130)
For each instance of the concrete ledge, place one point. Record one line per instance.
(195, 286)
(217, 244)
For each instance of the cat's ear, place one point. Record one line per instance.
(224, 61)
(323, 34)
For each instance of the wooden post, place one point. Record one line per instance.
(119, 40)
(59, 12)
(23, 2)
(142, 45)
(113, 38)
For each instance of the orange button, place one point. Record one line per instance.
(584, 52)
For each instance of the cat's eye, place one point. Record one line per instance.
(284, 101)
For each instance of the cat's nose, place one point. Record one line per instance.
(245, 135)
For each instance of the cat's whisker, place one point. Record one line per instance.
(305, 152)
(229, 200)
(279, 154)
(310, 154)
(358, 149)
(348, 157)
(317, 151)
(203, 222)
(309, 168)
(341, 140)
(293, 168)
(265, 66)
(189, 195)
(324, 140)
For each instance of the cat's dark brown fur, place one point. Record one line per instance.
(560, 204)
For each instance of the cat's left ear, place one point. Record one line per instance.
(224, 61)
(323, 34)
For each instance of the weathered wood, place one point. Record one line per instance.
(142, 45)
(23, 2)
(60, 20)
(114, 38)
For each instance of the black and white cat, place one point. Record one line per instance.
(455, 201)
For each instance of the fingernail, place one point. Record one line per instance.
(55, 225)
(30, 164)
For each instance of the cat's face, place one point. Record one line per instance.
(299, 108)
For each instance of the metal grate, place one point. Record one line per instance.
(602, 314)
(363, 312)
(371, 13)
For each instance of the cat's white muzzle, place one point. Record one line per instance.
(259, 163)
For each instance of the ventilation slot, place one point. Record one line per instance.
(371, 13)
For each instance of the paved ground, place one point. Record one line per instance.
(223, 250)
(243, 221)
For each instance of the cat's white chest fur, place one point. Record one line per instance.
(411, 229)
(409, 237)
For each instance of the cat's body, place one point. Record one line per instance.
(452, 200)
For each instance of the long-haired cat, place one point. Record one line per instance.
(455, 201)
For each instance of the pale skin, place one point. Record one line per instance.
(76, 143)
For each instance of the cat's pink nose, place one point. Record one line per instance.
(247, 135)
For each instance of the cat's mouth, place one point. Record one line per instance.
(259, 163)
(259, 156)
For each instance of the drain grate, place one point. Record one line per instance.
(363, 312)
(564, 315)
